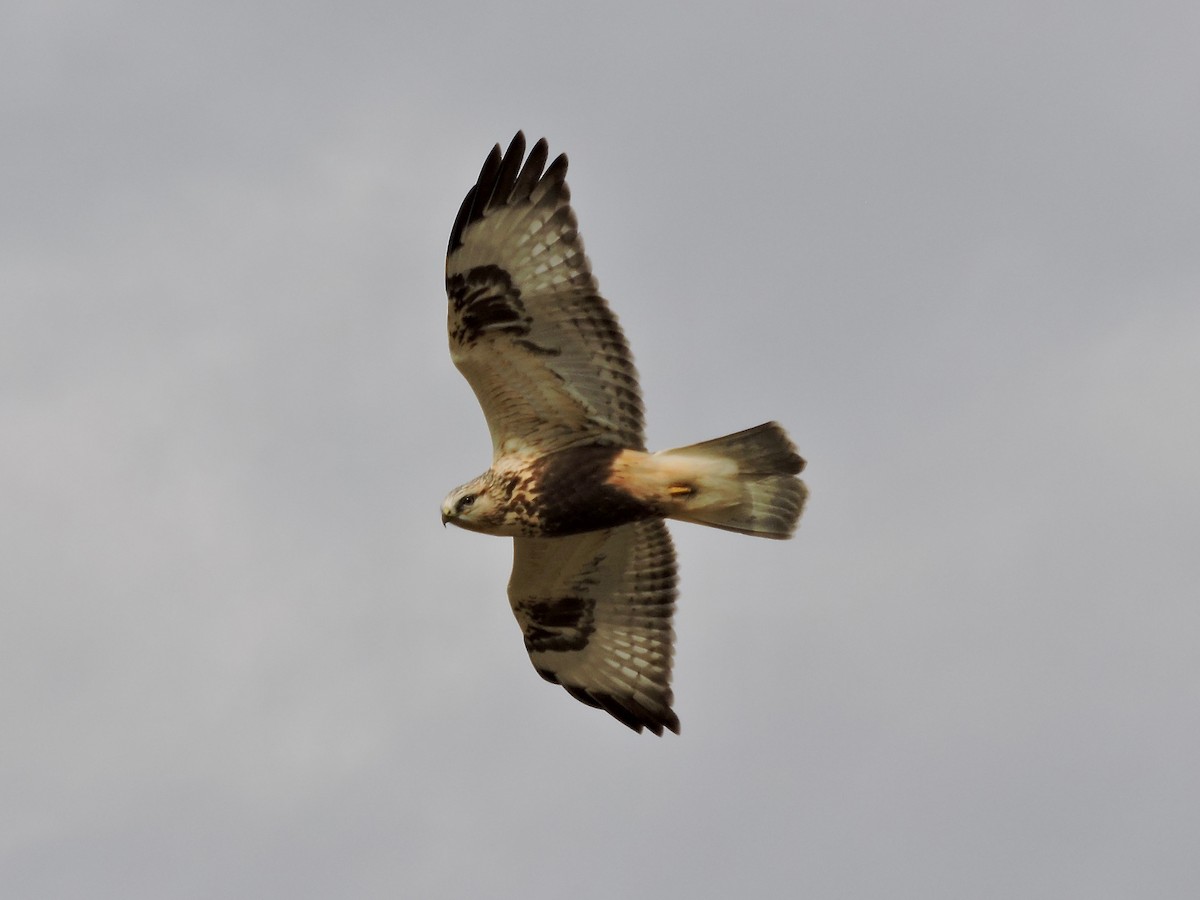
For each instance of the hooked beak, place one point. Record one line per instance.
(445, 519)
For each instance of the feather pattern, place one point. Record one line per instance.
(528, 327)
(595, 610)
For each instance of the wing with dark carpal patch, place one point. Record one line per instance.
(528, 327)
(596, 611)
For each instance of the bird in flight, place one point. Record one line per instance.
(593, 582)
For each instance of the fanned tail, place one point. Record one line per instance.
(744, 482)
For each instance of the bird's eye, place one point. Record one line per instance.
(465, 502)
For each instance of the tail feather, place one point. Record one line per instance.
(744, 482)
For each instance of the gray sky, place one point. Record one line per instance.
(955, 248)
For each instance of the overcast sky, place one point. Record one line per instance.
(954, 248)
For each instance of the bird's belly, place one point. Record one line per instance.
(573, 493)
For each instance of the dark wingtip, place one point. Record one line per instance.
(531, 171)
(629, 714)
(556, 172)
(461, 221)
(505, 177)
(477, 198)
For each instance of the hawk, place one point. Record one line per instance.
(593, 581)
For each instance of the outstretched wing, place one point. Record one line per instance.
(528, 327)
(595, 610)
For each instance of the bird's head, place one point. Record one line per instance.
(476, 506)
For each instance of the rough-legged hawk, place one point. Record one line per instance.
(593, 582)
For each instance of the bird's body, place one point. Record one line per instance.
(594, 577)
